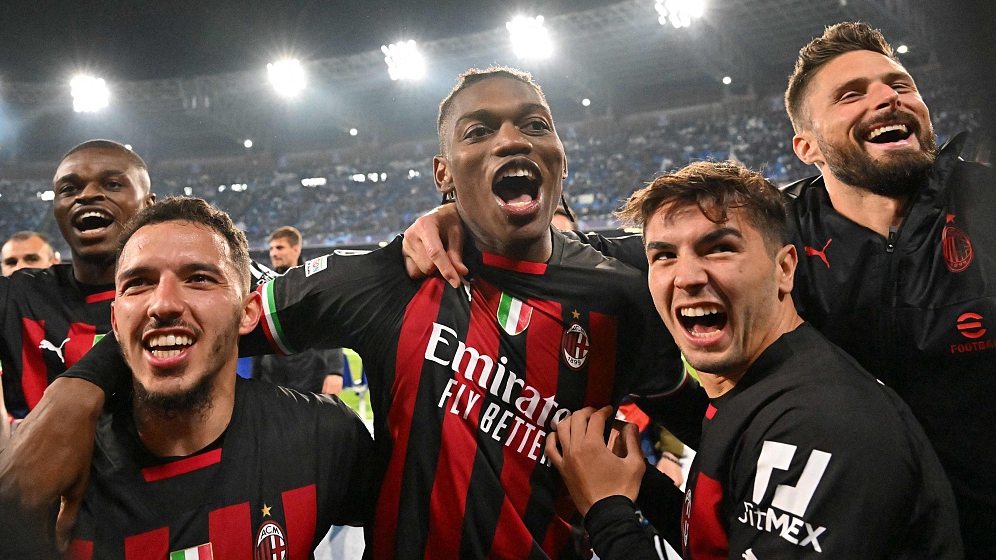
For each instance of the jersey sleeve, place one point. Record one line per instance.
(338, 300)
(103, 366)
(817, 476)
(628, 248)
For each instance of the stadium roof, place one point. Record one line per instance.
(188, 78)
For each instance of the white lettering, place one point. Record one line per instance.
(473, 358)
(434, 340)
(447, 392)
(489, 416)
(503, 423)
(533, 400)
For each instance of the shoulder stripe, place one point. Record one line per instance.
(183, 466)
(271, 322)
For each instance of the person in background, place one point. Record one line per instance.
(27, 249)
(315, 371)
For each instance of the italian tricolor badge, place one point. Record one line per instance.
(513, 315)
(202, 552)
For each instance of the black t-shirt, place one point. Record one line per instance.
(807, 457)
(288, 466)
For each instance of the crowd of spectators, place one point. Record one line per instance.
(340, 198)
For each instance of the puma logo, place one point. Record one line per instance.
(46, 345)
(822, 253)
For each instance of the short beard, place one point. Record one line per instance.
(899, 175)
(195, 402)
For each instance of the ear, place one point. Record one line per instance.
(114, 323)
(252, 308)
(441, 174)
(807, 149)
(565, 167)
(786, 262)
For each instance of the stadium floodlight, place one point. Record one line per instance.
(287, 77)
(247, 143)
(89, 94)
(679, 13)
(903, 49)
(586, 102)
(404, 61)
(529, 38)
(353, 132)
(727, 80)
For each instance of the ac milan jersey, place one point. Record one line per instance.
(809, 456)
(466, 383)
(288, 466)
(49, 321)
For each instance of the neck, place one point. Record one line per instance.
(533, 250)
(93, 272)
(873, 211)
(786, 320)
(180, 434)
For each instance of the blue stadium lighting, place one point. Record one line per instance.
(89, 94)
(404, 61)
(679, 13)
(529, 38)
(287, 77)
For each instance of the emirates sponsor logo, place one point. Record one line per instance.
(575, 346)
(956, 246)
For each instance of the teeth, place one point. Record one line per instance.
(883, 129)
(517, 172)
(168, 340)
(165, 353)
(699, 311)
(94, 214)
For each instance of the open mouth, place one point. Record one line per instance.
(92, 221)
(167, 345)
(889, 133)
(516, 185)
(702, 321)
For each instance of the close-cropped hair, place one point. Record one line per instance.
(473, 76)
(194, 211)
(290, 233)
(715, 189)
(838, 39)
(101, 144)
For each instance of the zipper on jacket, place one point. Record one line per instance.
(892, 240)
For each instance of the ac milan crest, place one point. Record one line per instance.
(956, 246)
(575, 346)
(270, 542)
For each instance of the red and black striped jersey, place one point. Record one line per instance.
(466, 382)
(49, 321)
(288, 466)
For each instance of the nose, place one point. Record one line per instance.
(510, 140)
(90, 191)
(166, 302)
(884, 96)
(689, 275)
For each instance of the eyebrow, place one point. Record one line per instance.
(484, 114)
(710, 237)
(188, 268)
(888, 78)
(75, 177)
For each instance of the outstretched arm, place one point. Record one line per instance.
(434, 243)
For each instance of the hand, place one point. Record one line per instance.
(48, 457)
(332, 385)
(592, 469)
(425, 250)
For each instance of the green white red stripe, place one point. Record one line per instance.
(513, 315)
(271, 323)
(202, 552)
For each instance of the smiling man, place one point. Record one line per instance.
(802, 452)
(51, 317)
(197, 460)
